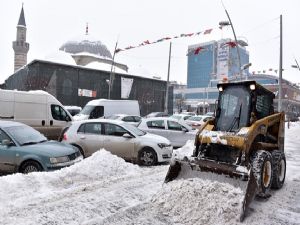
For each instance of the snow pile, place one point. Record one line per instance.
(197, 201)
(75, 193)
(184, 151)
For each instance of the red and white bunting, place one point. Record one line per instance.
(147, 42)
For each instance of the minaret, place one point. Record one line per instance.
(20, 46)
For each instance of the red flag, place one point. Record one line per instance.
(147, 42)
(207, 31)
(197, 50)
(232, 44)
(168, 38)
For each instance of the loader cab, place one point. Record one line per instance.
(241, 103)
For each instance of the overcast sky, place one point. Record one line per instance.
(50, 23)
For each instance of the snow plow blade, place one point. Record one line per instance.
(238, 176)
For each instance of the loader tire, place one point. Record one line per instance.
(262, 171)
(279, 169)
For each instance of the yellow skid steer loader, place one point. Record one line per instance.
(244, 142)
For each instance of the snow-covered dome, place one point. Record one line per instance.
(86, 44)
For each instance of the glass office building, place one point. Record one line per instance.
(209, 63)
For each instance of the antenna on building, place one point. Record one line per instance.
(87, 29)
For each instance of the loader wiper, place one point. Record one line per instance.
(236, 119)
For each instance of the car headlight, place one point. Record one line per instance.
(163, 145)
(61, 159)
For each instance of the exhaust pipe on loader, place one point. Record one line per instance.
(238, 176)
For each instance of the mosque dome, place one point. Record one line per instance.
(86, 44)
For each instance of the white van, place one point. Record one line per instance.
(37, 109)
(104, 108)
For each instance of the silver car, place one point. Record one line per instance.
(176, 131)
(120, 138)
(133, 120)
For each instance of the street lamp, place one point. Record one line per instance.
(227, 23)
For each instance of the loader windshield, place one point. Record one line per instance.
(233, 109)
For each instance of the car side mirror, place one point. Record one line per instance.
(7, 142)
(184, 129)
(126, 135)
(68, 118)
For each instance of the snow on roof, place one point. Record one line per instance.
(105, 67)
(60, 57)
(92, 55)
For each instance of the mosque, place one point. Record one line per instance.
(82, 70)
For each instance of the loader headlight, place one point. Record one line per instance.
(62, 159)
(163, 145)
(220, 88)
(252, 87)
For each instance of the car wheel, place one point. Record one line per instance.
(30, 166)
(147, 157)
(262, 171)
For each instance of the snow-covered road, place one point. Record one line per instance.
(104, 189)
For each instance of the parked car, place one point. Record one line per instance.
(24, 149)
(157, 114)
(212, 114)
(103, 108)
(189, 113)
(291, 116)
(73, 110)
(197, 121)
(180, 117)
(133, 120)
(176, 131)
(120, 138)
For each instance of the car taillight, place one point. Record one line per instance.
(65, 137)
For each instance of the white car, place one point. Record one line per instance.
(180, 117)
(120, 138)
(133, 120)
(197, 121)
(176, 131)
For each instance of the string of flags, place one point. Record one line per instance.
(265, 71)
(147, 42)
(197, 50)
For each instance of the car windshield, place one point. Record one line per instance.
(195, 118)
(176, 117)
(87, 110)
(26, 135)
(133, 129)
(113, 117)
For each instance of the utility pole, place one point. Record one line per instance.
(167, 91)
(111, 72)
(280, 70)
